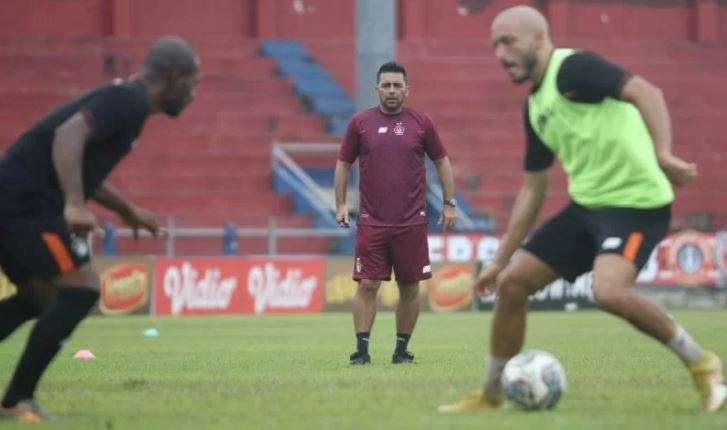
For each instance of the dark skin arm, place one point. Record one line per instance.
(68, 146)
(67, 153)
(109, 197)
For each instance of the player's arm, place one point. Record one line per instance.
(67, 154)
(340, 185)
(446, 178)
(525, 211)
(538, 160)
(527, 206)
(650, 102)
(346, 157)
(109, 197)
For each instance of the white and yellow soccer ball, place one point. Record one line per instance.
(534, 380)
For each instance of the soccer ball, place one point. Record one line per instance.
(534, 380)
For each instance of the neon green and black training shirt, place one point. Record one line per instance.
(602, 142)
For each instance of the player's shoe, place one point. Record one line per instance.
(359, 357)
(26, 411)
(473, 402)
(402, 357)
(707, 376)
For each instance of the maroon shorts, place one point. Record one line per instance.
(404, 248)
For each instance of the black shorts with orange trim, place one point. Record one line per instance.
(40, 247)
(570, 241)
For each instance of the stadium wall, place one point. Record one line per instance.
(674, 20)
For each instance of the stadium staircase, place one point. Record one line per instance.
(479, 114)
(209, 167)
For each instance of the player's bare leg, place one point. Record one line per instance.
(613, 281)
(525, 275)
(364, 313)
(407, 313)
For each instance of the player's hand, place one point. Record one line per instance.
(342, 216)
(678, 171)
(138, 218)
(448, 218)
(486, 279)
(79, 219)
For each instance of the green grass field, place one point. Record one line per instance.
(280, 372)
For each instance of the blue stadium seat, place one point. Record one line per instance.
(333, 106)
(280, 49)
(312, 88)
(338, 125)
(302, 69)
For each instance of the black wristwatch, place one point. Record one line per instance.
(450, 202)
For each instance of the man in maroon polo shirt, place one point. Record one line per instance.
(390, 142)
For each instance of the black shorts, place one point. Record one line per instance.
(39, 247)
(570, 241)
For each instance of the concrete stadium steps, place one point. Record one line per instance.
(208, 167)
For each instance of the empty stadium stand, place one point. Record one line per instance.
(210, 166)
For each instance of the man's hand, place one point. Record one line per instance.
(485, 281)
(678, 171)
(79, 219)
(342, 216)
(138, 218)
(448, 218)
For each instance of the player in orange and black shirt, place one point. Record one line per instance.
(46, 177)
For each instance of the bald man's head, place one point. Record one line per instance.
(173, 68)
(521, 40)
(525, 18)
(171, 54)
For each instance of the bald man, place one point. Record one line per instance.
(611, 132)
(46, 177)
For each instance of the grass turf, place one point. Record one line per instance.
(291, 372)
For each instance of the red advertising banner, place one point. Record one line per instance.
(204, 286)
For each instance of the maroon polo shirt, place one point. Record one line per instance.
(390, 150)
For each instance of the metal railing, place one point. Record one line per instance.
(170, 233)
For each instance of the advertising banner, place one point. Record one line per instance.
(254, 285)
(447, 290)
(685, 258)
(125, 284)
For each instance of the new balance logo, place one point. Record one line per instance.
(611, 243)
(427, 269)
(383, 130)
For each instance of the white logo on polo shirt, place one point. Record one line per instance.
(611, 243)
(383, 130)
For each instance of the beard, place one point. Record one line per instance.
(529, 62)
(173, 107)
(391, 105)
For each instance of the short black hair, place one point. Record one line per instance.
(170, 54)
(390, 67)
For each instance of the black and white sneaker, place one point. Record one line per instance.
(400, 357)
(359, 357)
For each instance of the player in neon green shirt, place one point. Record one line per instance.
(611, 132)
